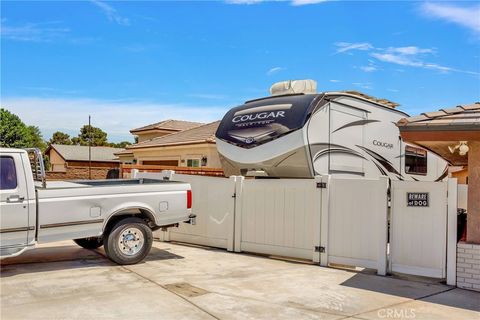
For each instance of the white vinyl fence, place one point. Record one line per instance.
(462, 196)
(356, 230)
(279, 217)
(419, 228)
(326, 220)
(214, 205)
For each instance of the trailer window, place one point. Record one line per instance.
(415, 160)
(8, 174)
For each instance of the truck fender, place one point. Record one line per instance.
(131, 208)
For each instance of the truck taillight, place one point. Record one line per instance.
(189, 199)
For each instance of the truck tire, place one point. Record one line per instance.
(129, 241)
(89, 243)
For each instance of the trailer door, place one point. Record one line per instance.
(347, 132)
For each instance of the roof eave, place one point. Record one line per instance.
(418, 135)
(133, 131)
(173, 144)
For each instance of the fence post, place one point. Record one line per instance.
(231, 215)
(133, 173)
(317, 218)
(383, 231)
(452, 231)
(325, 210)
(237, 229)
(168, 174)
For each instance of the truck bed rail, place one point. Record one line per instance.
(37, 165)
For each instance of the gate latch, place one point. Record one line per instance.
(320, 249)
(321, 185)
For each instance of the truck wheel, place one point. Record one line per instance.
(129, 241)
(90, 243)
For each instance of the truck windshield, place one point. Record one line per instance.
(260, 121)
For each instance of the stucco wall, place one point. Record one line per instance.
(147, 135)
(56, 161)
(194, 151)
(461, 176)
(473, 217)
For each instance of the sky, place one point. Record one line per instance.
(128, 64)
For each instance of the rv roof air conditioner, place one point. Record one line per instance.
(293, 87)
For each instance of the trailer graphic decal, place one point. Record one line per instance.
(355, 123)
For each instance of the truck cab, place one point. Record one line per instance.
(17, 202)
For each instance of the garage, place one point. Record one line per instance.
(170, 163)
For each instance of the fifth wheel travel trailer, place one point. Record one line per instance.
(297, 133)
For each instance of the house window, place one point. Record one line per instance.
(415, 160)
(193, 162)
(8, 174)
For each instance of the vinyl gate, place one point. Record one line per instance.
(419, 228)
(355, 224)
(214, 205)
(279, 217)
(326, 220)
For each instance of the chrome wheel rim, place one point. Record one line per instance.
(131, 241)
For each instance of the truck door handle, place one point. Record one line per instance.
(15, 199)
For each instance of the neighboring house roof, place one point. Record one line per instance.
(441, 130)
(460, 118)
(80, 153)
(168, 125)
(201, 134)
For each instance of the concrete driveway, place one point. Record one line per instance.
(177, 281)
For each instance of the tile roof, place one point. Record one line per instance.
(464, 117)
(169, 125)
(201, 134)
(80, 153)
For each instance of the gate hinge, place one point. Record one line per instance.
(321, 185)
(320, 249)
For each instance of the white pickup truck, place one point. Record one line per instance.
(118, 214)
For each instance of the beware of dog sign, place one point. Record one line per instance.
(417, 199)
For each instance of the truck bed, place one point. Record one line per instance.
(100, 183)
(80, 209)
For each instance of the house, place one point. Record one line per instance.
(155, 130)
(193, 147)
(454, 134)
(72, 161)
(162, 128)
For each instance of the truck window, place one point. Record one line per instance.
(415, 160)
(8, 174)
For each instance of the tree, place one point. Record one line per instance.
(35, 138)
(60, 138)
(99, 137)
(16, 134)
(122, 144)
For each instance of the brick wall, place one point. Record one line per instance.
(78, 173)
(468, 266)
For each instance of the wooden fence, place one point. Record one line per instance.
(126, 169)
